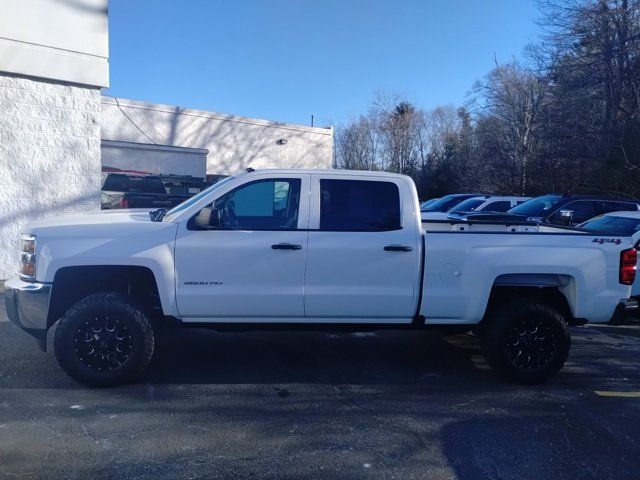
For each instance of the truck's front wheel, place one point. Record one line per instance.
(104, 340)
(526, 340)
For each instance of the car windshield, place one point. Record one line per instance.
(468, 205)
(424, 205)
(624, 226)
(445, 203)
(187, 203)
(537, 207)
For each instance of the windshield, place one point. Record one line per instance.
(187, 203)
(623, 226)
(445, 203)
(468, 205)
(424, 205)
(537, 207)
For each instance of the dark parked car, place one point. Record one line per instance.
(426, 203)
(121, 190)
(447, 202)
(568, 210)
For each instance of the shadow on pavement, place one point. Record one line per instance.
(204, 356)
(604, 358)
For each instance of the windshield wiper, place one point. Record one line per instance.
(157, 215)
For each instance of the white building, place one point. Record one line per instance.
(57, 130)
(231, 142)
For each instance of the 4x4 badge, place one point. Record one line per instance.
(615, 241)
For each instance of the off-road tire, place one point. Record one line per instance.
(526, 340)
(135, 330)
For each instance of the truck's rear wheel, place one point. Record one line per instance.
(104, 340)
(526, 340)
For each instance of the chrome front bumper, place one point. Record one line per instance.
(27, 305)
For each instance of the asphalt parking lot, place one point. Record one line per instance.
(313, 405)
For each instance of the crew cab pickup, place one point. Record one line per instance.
(306, 249)
(121, 190)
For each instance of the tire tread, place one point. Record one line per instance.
(107, 300)
(495, 329)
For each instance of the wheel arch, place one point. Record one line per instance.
(76, 282)
(555, 290)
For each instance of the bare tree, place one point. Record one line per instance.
(356, 145)
(565, 119)
(594, 52)
(513, 97)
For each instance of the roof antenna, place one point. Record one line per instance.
(249, 170)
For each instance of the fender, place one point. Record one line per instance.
(150, 245)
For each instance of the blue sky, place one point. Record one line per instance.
(284, 60)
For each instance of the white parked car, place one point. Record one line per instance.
(306, 249)
(480, 203)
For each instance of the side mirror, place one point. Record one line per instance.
(564, 217)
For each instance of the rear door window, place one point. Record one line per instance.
(582, 210)
(501, 206)
(619, 207)
(359, 206)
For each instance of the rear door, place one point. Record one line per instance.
(363, 259)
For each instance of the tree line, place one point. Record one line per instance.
(565, 118)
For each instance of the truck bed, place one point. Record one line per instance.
(462, 266)
(449, 225)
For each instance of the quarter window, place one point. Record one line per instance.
(359, 206)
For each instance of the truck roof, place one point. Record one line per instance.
(336, 172)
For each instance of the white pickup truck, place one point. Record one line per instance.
(298, 249)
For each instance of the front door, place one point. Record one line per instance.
(249, 262)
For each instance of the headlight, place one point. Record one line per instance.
(27, 244)
(27, 255)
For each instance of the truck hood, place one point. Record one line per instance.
(104, 217)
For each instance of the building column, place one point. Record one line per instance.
(49, 155)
